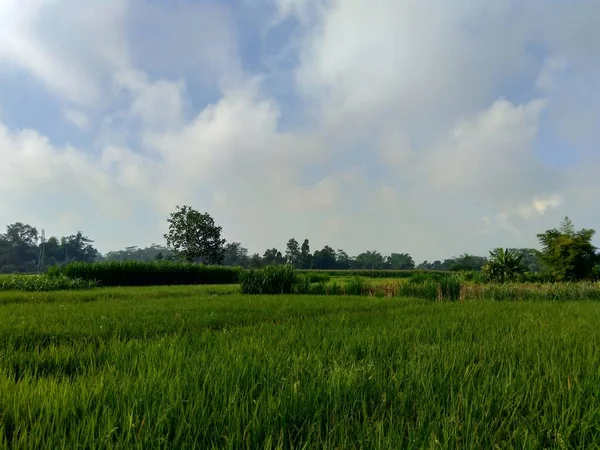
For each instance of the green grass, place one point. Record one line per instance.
(43, 283)
(199, 367)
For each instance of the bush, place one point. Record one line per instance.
(138, 273)
(357, 286)
(317, 277)
(270, 280)
(450, 288)
(39, 283)
(427, 289)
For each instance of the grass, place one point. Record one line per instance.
(43, 283)
(201, 367)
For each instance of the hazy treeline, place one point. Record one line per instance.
(21, 251)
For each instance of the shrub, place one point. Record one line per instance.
(317, 277)
(138, 273)
(269, 280)
(302, 284)
(450, 288)
(357, 286)
(427, 289)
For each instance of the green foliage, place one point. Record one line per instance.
(194, 236)
(156, 273)
(32, 283)
(450, 288)
(401, 261)
(366, 273)
(159, 368)
(568, 254)
(317, 277)
(421, 288)
(292, 253)
(504, 265)
(269, 280)
(357, 286)
(564, 291)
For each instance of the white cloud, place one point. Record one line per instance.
(77, 118)
(420, 122)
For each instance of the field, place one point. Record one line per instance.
(205, 367)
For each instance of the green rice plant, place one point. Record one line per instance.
(138, 273)
(450, 287)
(302, 285)
(376, 273)
(317, 277)
(172, 367)
(335, 288)
(41, 283)
(427, 289)
(357, 286)
(319, 289)
(269, 280)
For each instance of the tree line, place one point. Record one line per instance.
(566, 254)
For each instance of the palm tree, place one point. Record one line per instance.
(504, 265)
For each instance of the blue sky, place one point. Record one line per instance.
(429, 127)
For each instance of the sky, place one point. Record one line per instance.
(431, 127)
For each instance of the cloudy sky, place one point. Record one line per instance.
(435, 127)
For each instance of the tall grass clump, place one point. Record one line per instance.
(138, 273)
(43, 283)
(427, 289)
(269, 280)
(317, 277)
(450, 288)
(357, 286)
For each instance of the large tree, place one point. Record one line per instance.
(324, 259)
(305, 256)
(194, 236)
(292, 252)
(370, 259)
(20, 246)
(401, 261)
(273, 257)
(568, 254)
(235, 255)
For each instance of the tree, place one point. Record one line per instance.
(273, 257)
(19, 246)
(133, 253)
(324, 259)
(568, 254)
(79, 248)
(305, 256)
(370, 260)
(343, 261)
(235, 255)
(504, 265)
(255, 261)
(467, 262)
(194, 236)
(292, 252)
(402, 261)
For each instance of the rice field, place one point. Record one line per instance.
(206, 367)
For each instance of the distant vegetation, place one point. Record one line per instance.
(566, 254)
